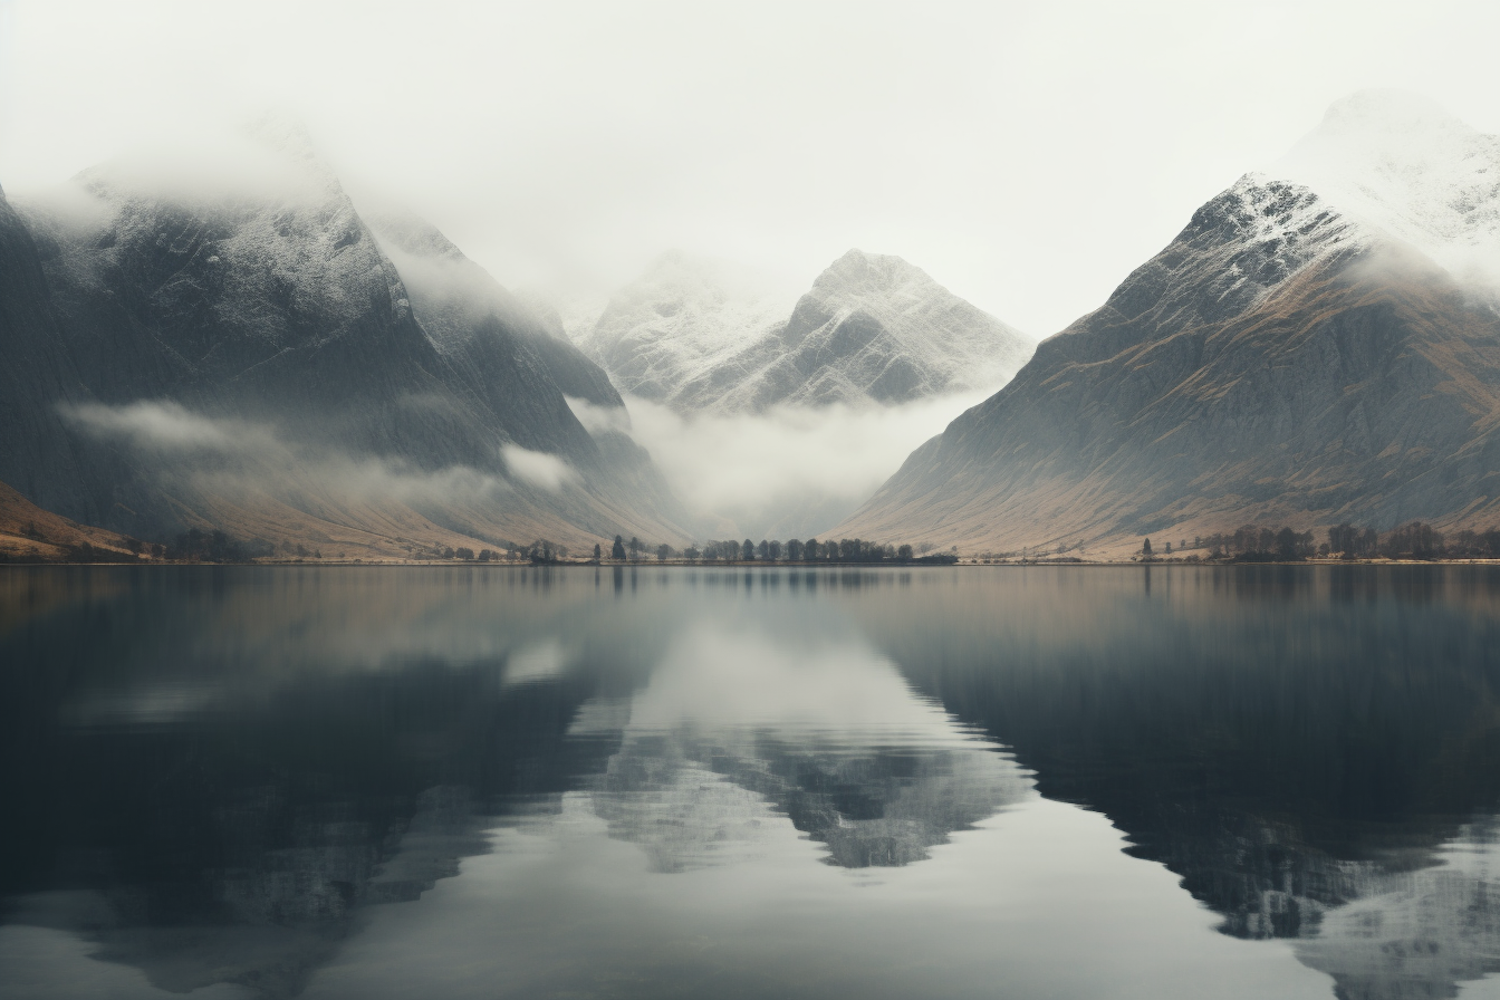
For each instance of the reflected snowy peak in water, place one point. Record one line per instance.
(1416, 935)
(346, 784)
(1311, 751)
(829, 735)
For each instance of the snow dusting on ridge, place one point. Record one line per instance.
(700, 337)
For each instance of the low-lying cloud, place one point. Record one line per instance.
(167, 426)
(234, 457)
(790, 472)
(540, 469)
(600, 419)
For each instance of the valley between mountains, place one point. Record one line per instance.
(241, 348)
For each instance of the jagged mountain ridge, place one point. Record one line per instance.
(872, 328)
(268, 311)
(1285, 358)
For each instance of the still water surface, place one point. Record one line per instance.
(1001, 782)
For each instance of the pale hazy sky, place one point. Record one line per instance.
(1026, 155)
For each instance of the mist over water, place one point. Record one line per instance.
(1079, 782)
(791, 471)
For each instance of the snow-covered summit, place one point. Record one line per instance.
(1384, 171)
(269, 159)
(948, 343)
(683, 318)
(872, 328)
(1400, 167)
(861, 273)
(255, 216)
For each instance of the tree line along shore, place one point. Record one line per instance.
(1414, 541)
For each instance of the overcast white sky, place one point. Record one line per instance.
(1026, 155)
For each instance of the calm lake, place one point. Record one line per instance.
(491, 782)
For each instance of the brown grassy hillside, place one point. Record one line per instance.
(30, 534)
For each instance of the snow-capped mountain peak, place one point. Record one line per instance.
(1402, 168)
(683, 318)
(858, 272)
(872, 328)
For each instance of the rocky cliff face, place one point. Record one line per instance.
(872, 328)
(249, 350)
(1294, 354)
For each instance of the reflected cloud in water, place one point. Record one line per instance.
(735, 729)
(636, 781)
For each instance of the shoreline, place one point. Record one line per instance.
(683, 564)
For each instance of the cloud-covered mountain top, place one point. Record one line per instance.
(703, 337)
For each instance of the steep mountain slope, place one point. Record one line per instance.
(872, 328)
(37, 372)
(246, 349)
(476, 322)
(485, 333)
(1299, 352)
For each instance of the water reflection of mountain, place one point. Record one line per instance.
(210, 774)
(1412, 935)
(692, 800)
(739, 731)
(1296, 744)
(218, 770)
(822, 729)
(210, 783)
(242, 849)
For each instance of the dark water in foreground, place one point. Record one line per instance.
(1054, 783)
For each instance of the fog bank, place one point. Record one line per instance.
(791, 472)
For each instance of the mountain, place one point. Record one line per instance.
(471, 317)
(226, 342)
(38, 372)
(683, 318)
(487, 333)
(700, 337)
(1320, 344)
